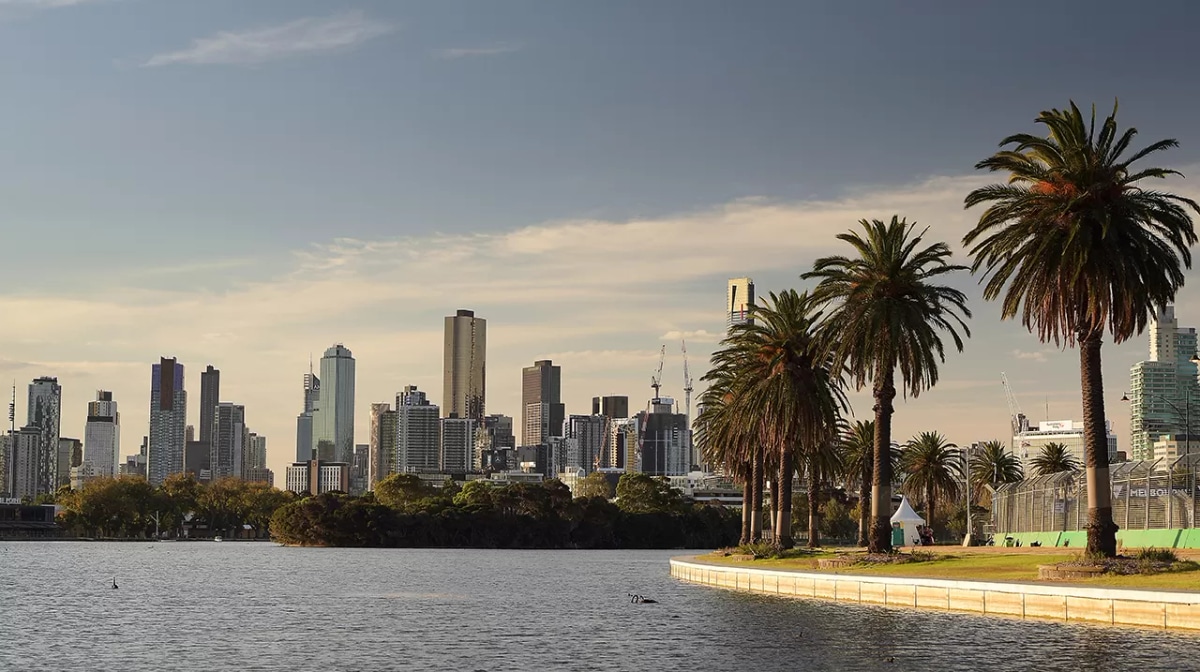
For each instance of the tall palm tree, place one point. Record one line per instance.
(1054, 458)
(932, 468)
(888, 316)
(784, 387)
(1076, 247)
(994, 466)
(724, 439)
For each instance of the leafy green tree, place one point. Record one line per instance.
(399, 490)
(178, 496)
(594, 484)
(1076, 246)
(1053, 458)
(888, 316)
(476, 493)
(639, 493)
(932, 467)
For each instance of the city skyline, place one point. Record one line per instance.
(248, 212)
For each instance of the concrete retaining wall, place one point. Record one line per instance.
(1155, 609)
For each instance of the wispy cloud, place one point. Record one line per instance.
(485, 50)
(1035, 355)
(47, 4)
(695, 336)
(296, 38)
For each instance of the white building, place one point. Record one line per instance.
(458, 444)
(1028, 444)
(1163, 388)
(102, 436)
(418, 435)
(316, 477)
(1170, 447)
(739, 301)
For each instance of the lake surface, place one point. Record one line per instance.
(258, 606)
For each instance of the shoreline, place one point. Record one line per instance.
(1163, 610)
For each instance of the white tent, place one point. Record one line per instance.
(908, 520)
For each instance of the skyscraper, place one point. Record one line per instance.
(612, 407)
(1163, 392)
(210, 396)
(463, 387)
(417, 432)
(585, 442)
(228, 449)
(333, 418)
(739, 301)
(382, 444)
(663, 439)
(102, 435)
(256, 451)
(45, 413)
(458, 444)
(542, 410)
(168, 418)
(26, 452)
(304, 422)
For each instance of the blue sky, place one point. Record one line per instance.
(241, 183)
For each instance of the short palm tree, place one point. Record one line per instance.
(783, 387)
(725, 440)
(932, 467)
(994, 466)
(888, 315)
(858, 461)
(1054, 458)
(1076, 247)
(821, 463)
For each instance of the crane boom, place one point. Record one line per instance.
(656, 379)
(1014, 409)
(687, 382)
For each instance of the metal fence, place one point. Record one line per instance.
(1147, 495)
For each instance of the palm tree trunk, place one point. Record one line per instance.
(756, 502)
(929, 504)
(881, 492)
(814, 509)
(782, 492)
(773, 486)
(864, 500)
(747, 504)
(1101, 530)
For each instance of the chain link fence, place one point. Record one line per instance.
(1146, 495)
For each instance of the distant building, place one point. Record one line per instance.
(1027, 444)
(584, 435)
(333, 419)
(381, 448)
(613, 407)
(664, 445)
(360, 469)
(739, 302)
(27, 463)
(168, 417)
(45, 413)
(135, 465)
(458, 444)
(70, 455)
(304, 422)
(494, 434)
(1163, 388)
(418, 440)
(317, 477)
(260, 475)
(542, 410)
(228, 451)
(210, 398)
(464, 361)
(197, 460)
(102, 435)
(256, 451)
(623, 451)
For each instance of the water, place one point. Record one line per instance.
(258, 606)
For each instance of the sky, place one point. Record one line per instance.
(243, 184)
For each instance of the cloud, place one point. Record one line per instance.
(487, 50)
(1036, 355)
(693, 336)
(296, 38)
(47, 4)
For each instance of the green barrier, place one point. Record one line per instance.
(1174, 538)
(1148, 538)
(1073, 540)
(1027, 538)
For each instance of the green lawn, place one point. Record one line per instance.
(1021, 567)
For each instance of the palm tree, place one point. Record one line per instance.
(783, 387)
(723, 439)
(821, 463)
(932, 468)
(1077, 248)
(994, 466)
(888, 314)
(1054, 458)
(858, 445)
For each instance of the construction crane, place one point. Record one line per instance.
(1014, 410)
(687, 383)
(656, 379)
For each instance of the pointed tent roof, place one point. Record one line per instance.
(905, 513)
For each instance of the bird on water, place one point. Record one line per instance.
(114, 583)
(638, 599)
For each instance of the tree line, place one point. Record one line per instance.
(403, 511)
(1072, 244)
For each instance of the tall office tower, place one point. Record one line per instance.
(739, 302)
(27, 462)
(333, 417)
(210, 397)
(382, 445)
(463, 387)
(45, 413)
(256, 451)
(612, 407)
(663, 440)
(228, 451)
(417, 433)
(304, 421)
(102, 435)
(542, 410)
(6, 441)
(1163, 388)
(458, 444)
(585, 442)
(168, 417)
(70, 454)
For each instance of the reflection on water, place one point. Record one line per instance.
(255, 606)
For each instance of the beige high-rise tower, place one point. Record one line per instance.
(464, 366)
